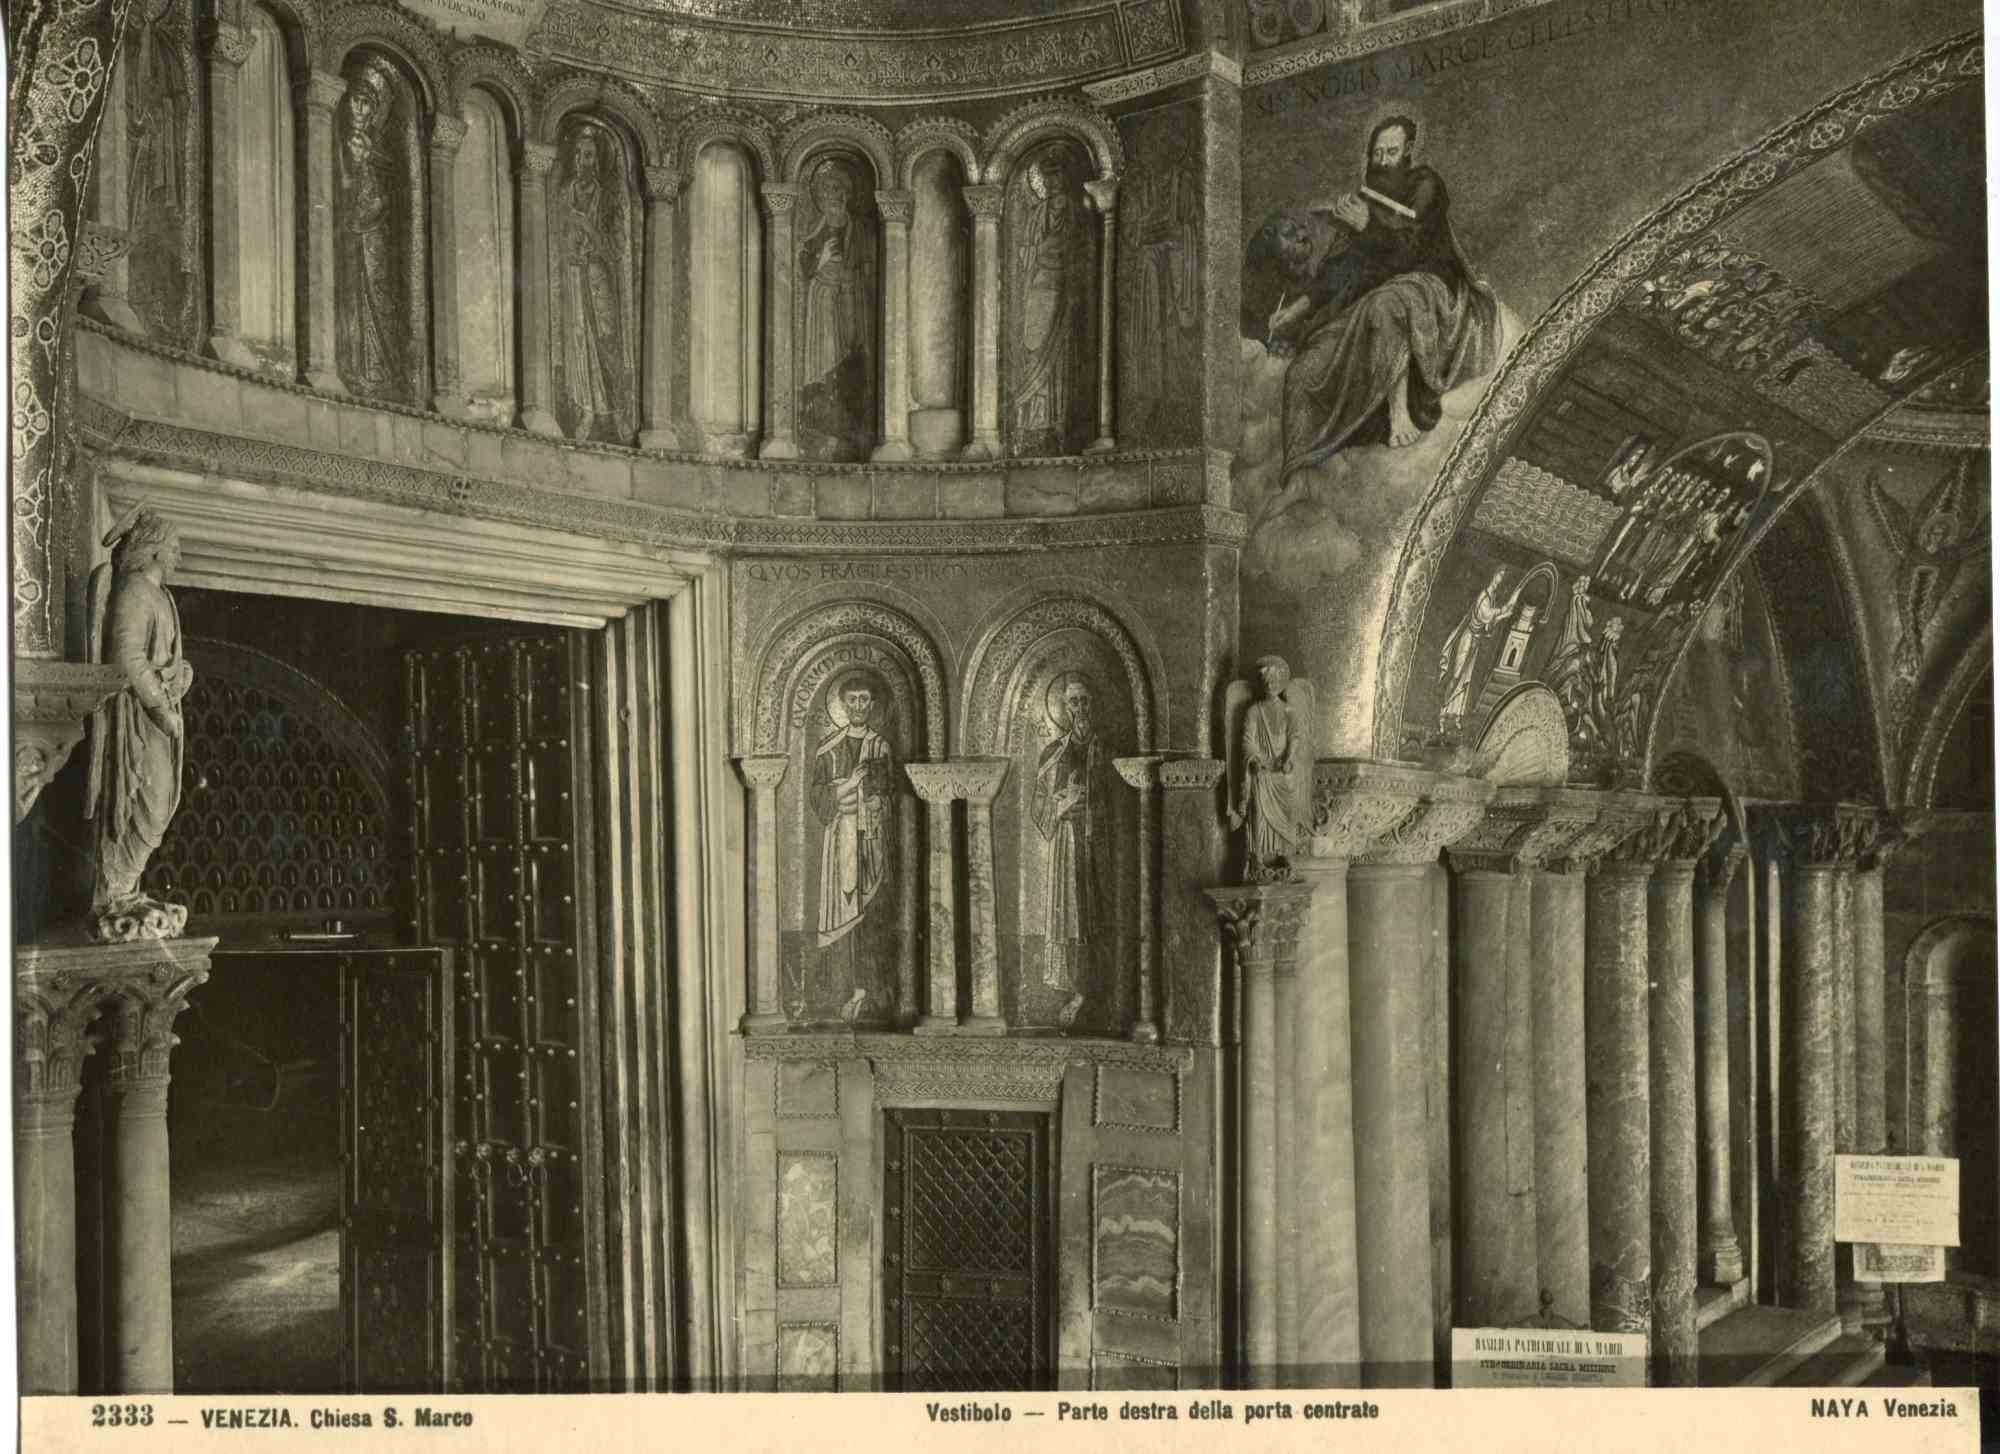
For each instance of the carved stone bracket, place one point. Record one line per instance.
(52, 699)
(1354, 802)
(1831, 835)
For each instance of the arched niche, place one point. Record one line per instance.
(940, 301)
(267, 188)
(848, 692)
(725, 298)
(836, 303)
(381, 294)
(1953, 1085)
(483, 186)
(596, 222)
(1060, 690)
(147, 178)
(1049, 318)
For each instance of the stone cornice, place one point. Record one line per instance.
(966, 1051)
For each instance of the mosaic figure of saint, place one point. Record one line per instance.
(1053, 252)
(835, 266)
(1461, 649)
(1071, 810)
(593, 344)
(153, 118)
(852, 774)
(372, 321)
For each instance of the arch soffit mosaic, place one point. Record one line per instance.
(500, 74)
(396, 31)
(929, 134)
(844, 130)
(745, 129)
(1538, 360)
(605, 100)
(804, 634)
(1025, 617)
(1009, 137)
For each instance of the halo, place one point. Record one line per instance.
(1053, 701)
(836, 709)
(830, 168)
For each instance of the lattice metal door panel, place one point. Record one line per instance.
(968, 1267)
(396, 1184)
(500, 789)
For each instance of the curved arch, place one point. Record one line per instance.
(1974, 666)
(1526, 741)
(821, 129)
(389, 28)
(1918, 958)
(499, 73)
(794, 642)
(609, 99)
(300, 22)
(1538, 359)
(726, 123)
(1016, 624)
(1015, 132)
(935, 133)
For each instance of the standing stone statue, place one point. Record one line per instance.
(1050, 364)
(1271, 767)
(136, 737)
(372, 324)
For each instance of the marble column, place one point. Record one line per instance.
(1847, 1295)
(1194, 1006)
(1618, 1069)
(535, 161)
(320, 94)
(656, 418)
(1688, 828)
(1812, 841)
(1871, 1118)
(1104, 196)
(447, 388)
(1265, 923)
(985, 203)
(229, 47)
(781, 404)
(1143, 775)
(1562, 1146)
(896, 208)
(1388, 903)
(762, 775)
(51, 1020)
(937, 785)
(982, 777)
(1720, 1255)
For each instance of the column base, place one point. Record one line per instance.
(936, 1025)
(664, 441)
(778, 449)
(769, 1024)
(937, 433)
(1105, 444)
(1144, 1032)
(322, 381)
(983, 1025)
(540, 421)
(1721, 1263)
(893, 451)
(981, 449)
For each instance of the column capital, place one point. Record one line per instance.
(1190, 774)
(1675, 832)
(535, 158)
(1103, 194)
(764, 771)
(1717, 867)
(1450, 808)
(1263, 921)
(896, 206)
(1142, 773)
(227, 44)
(447, 135)
(1898, 830)
(779, 197)
(321, 91)
(1817, 835)
(662, 184)
(1356, 801)
(976, 779)
(59, 989)
(985, 200)
(1523, 827)
(1620, 813)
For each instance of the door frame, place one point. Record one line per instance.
(671, 1315)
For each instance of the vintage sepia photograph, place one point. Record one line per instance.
(1142, 698)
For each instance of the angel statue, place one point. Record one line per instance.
(1270, 767)
(136, 737)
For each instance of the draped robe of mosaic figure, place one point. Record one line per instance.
(1054, 255)
(851, 781)
(371, 325)
(593, 341)
(1068, 808)
(137, 737)
(833, 261)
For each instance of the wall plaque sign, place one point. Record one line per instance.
(507, 21)
(1898, 1262)
(1546, 1358)
(1907, 1200)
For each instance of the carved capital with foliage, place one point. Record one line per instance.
(896, 207)
(1619, 815)
(976, 779)
(59, 989)
(663, 184)
(985, 200)
(1103, 195)
(228, 44)
(1678, 831)
(779, 198)
(1264, 922)
(1450, 808)
(1523, 828)
(1354, 802)
(763, 772)
(536, 158)
(1142, 773)
(1817, 835)
(321, 91)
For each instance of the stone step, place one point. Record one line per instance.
(1758, 1345)
(1847, 1361)
(1712, 1304)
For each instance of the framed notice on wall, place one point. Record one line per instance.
(1546, 1358)
(1896, 1200)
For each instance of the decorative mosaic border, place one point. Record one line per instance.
(1097, 1117)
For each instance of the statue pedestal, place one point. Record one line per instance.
(59, 989)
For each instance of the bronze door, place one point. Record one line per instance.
(500, 788)
(967, 1257)
(395, 1169)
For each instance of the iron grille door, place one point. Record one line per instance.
(499, 732)
(396, 1169)
(967, 1274)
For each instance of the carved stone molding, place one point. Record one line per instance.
(819, 129)
(1817, 835)
(899, 1082)
(610, 98)
(98, 248)
(1191, 774)
(59, 989)
(52, 700)
(1026, 1051)
(499, 70)
(391, 28)
(1009, 137)
(936, 133)
(746, 129)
